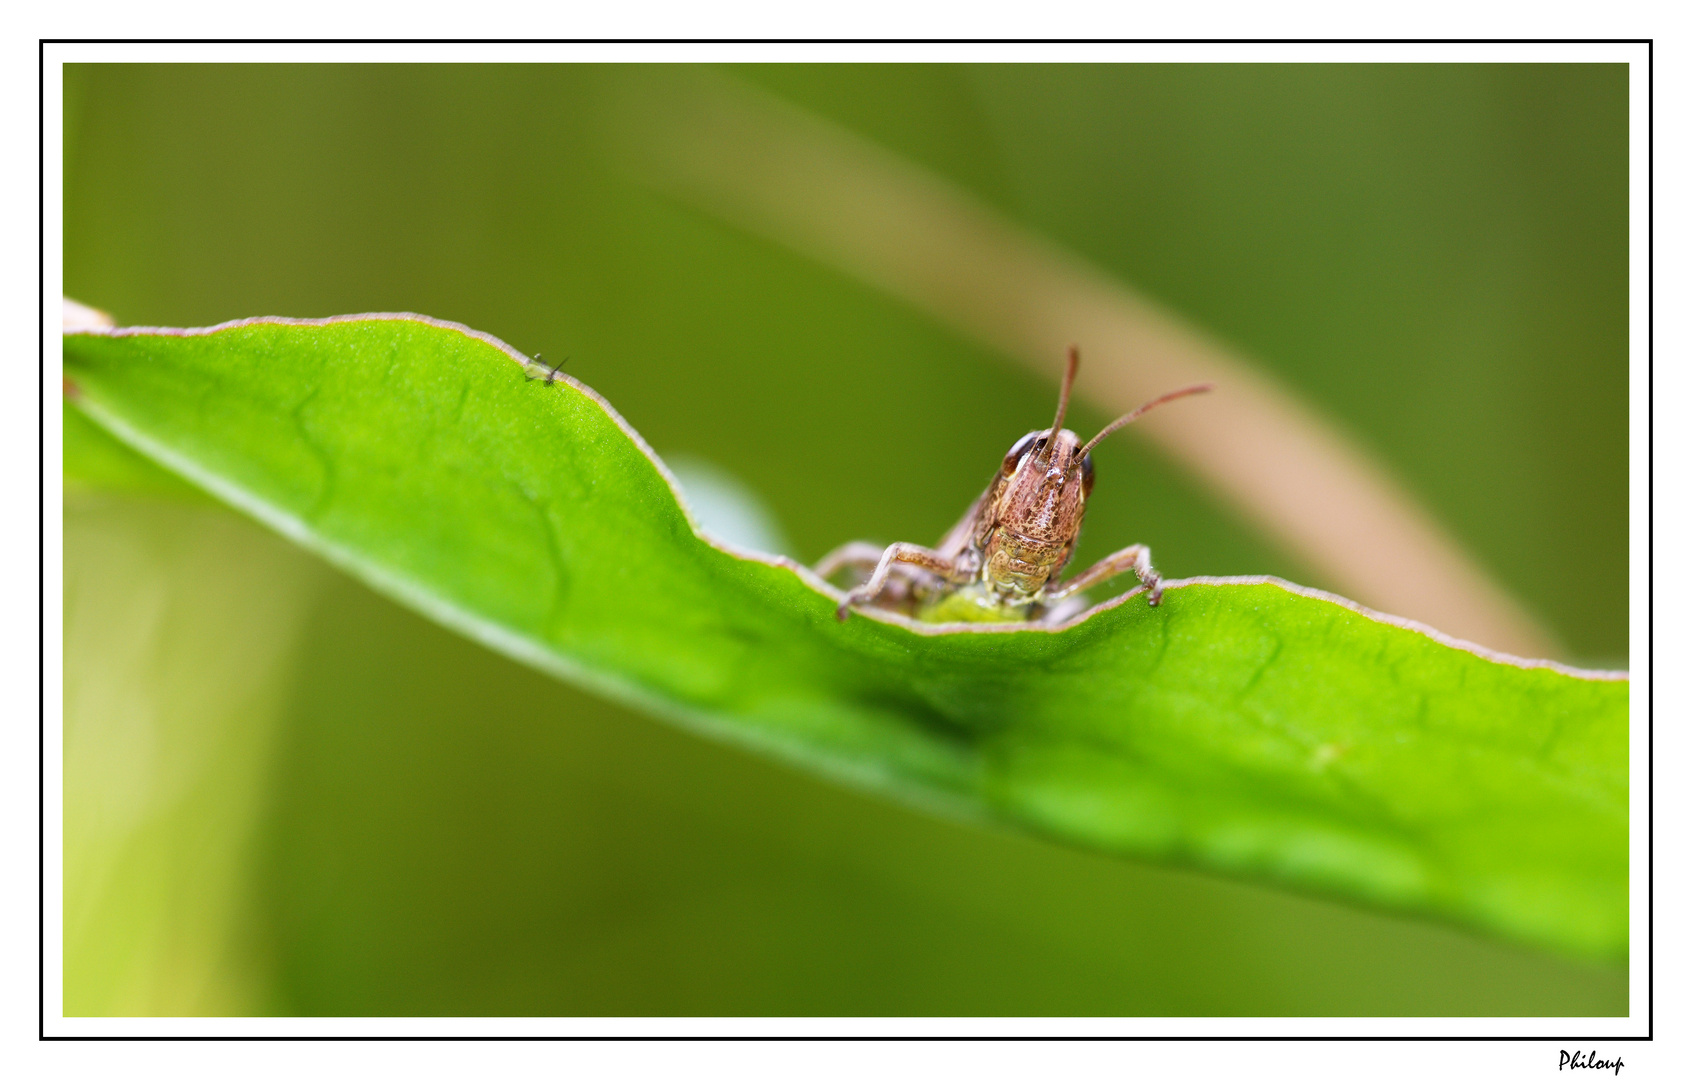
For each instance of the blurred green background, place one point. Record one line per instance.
(285, 794)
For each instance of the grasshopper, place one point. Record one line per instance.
(1002, 562)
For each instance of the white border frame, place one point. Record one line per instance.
(1561, 1029)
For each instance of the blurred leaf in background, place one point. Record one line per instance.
(1434, 255)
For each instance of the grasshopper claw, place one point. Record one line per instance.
(853, 599)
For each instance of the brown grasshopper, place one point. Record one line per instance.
(1001, 562)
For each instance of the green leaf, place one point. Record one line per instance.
(95, 459)
(1246, 726)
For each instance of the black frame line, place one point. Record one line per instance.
(1650, 546)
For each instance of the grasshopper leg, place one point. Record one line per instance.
(911, 554)
(1136, 557)
(860, 554)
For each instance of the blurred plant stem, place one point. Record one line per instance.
(780, 172)
(181, 623)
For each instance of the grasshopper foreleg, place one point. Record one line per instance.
(895, 555)
(1136, 557)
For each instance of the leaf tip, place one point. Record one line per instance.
(79, 316)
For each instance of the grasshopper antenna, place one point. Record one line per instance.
(1063, 399)
(1128, 418)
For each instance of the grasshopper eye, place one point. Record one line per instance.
(1016, 452)
(1086, 476)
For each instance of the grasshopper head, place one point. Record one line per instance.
(1041, 498)
(1037, 514)
(1039, 502)
(1047, 477)
(1047, 481)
